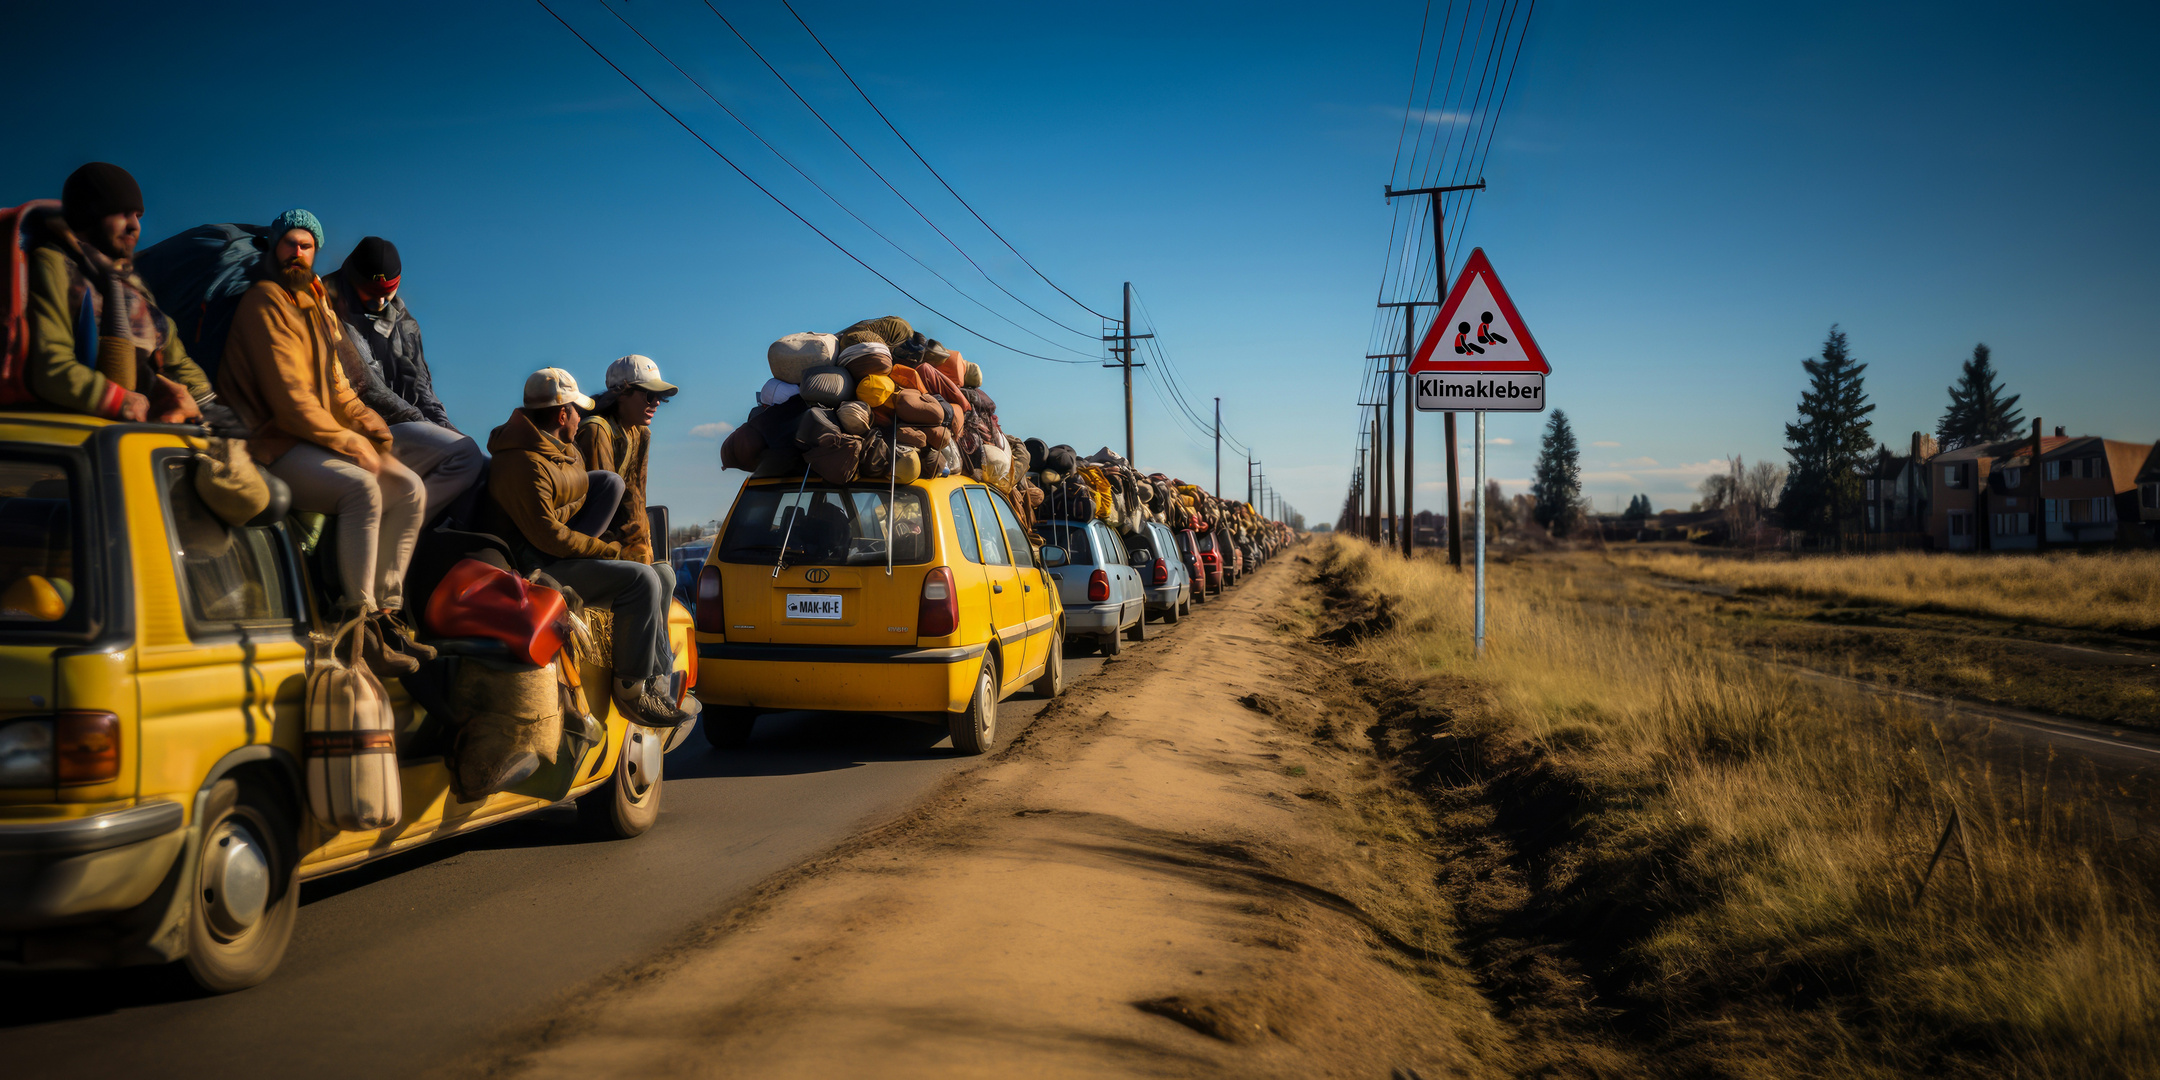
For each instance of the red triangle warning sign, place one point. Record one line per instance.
(1479, 329)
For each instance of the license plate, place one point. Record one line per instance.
(812, 606)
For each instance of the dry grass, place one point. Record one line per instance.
(1743, 849)
(2116, 591)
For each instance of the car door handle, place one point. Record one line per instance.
(1027, 588)
(996, 588)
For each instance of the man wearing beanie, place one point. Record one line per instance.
(364, 293)
(98, 343)
(284, 373)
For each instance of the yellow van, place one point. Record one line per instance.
(923, 600)
(153, 665)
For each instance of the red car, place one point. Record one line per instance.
(1195, 566)
(1210, 561)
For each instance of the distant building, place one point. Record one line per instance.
(1895, 510)
(1992, 497)
(2148, 481)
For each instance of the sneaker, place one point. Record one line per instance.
(400, 636)
(383, 656)
(648, 703)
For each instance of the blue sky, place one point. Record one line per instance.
(1683, 198)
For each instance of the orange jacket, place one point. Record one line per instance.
(283, 374)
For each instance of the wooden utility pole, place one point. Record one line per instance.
(1409, 463)
(1218, 448)
(1440, 288)
(1125, 338)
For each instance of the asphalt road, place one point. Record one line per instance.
(415, 960)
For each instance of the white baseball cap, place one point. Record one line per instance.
(552, 386)
(634, 372)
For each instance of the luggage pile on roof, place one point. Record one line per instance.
(877, 401)
(1104, 486)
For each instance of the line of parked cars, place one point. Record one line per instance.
(154, 781)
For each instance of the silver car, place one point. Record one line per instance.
(1162, 572)
(1102, 593)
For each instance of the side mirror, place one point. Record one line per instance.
(1052, 555)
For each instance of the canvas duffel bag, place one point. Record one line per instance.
(816, 423)
(835, 458)
(866, 358)
(794, 354)
(891, 329)
(776, 391)
(827, 386)
(853, 418)
(742, 448)
(350, 744)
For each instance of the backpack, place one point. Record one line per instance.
(198, 277)
(15, 279)
(351, 741)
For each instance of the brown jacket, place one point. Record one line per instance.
(536, 484)
(284, 375)
(611, 447)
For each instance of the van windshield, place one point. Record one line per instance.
(41, 589)
(823, 525)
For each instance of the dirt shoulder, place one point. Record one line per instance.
(1191, 865)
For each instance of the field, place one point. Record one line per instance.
(1670, 857)
(2116, 592)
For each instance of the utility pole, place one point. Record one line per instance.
(1372, 527)
(1248, 478)
(1125, 338)
(1409, 463)
(1440, 287)
(1218, 448)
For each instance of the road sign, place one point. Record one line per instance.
(1478, 356)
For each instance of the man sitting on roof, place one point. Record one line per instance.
(98, 343)
(541, 499)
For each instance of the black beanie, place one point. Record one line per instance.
(95, 190)
(373, 257)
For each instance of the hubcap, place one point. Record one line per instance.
(235, 878)
(988, 694)
(638, 754)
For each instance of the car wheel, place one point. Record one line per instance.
(974, 729)
(1111, 643)
(727, 727)
(1051, 682)
(1138, 630)
(629, 802)
(1171, 613)
(247, 899)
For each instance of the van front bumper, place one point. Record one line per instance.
(837, 678)
(55, 870)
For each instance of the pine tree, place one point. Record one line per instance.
(1978, 412)
(1557, 484)
(1831, 443)
(1637, 508)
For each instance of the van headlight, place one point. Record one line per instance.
(26, 753)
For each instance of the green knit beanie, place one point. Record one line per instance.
(296, 218)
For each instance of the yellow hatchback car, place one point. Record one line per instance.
(924, 600)
(153, 666)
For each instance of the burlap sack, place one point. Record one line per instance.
(795, 354)
(504, 711)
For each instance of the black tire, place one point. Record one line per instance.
(727, 727)
(974, 729)
(1171, 613)
(232, 949)
(1138, 630)
(1051, 682)
(1111, 643)
(629, 802)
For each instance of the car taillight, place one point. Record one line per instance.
(709, 615)
(939, 613)
(1098, 587)
(1162, 572)
(86, 747)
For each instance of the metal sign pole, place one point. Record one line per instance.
(1478, 495)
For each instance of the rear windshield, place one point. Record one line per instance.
(40, 553)
(1205, 540)
(823, 525)
(1073, 538)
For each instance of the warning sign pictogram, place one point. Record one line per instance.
(1478, 329)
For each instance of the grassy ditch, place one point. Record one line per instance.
(2116, 592)
(1668, 852)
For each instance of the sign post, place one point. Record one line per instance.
(1479, 356)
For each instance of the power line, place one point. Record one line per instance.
(790, 163)
(926, 164)
(874, 169)
(777, 200)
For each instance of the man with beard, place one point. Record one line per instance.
(615, 437)
(283, 373)
(98, 343)
(395, 381)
